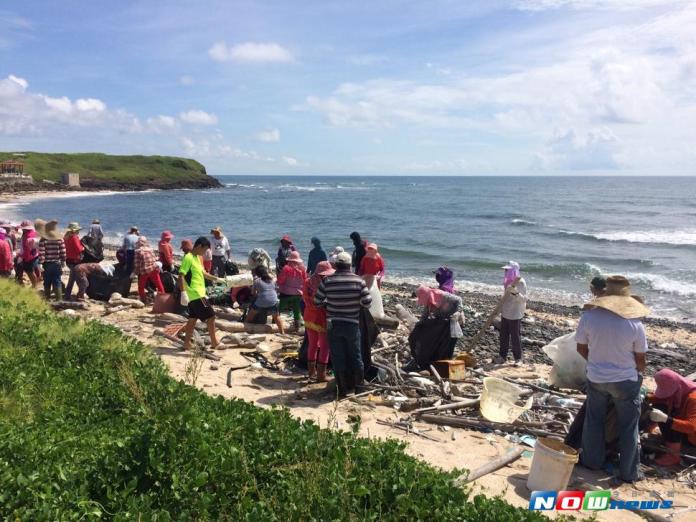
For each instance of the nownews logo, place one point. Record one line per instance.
(588, 501)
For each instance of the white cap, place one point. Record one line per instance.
(511, 264)
(343, 258)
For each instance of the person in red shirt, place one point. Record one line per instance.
(166, 252)
(6, 260)
(73, 254)
(145, 268)
(315, 324)
(372, 265)
(674, 402)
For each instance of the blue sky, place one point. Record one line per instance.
(501, 87)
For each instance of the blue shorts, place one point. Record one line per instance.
(273, 310)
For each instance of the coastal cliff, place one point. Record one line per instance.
(106, 172)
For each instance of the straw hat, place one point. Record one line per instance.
(39, 226)
(618, 299)
(74, 227)
(51, 230)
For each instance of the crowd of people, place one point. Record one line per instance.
(328, 295)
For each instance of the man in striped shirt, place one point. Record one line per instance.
(343, 294)
(52, 257)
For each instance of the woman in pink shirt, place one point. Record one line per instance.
(291, 281)
(166, 252)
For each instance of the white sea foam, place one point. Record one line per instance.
(523, 222)
(664, 284)
(668, 237)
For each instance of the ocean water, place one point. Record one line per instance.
(563, 231)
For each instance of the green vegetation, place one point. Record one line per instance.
(92, 426)
(106, 170)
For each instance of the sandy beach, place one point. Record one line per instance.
(448, 448)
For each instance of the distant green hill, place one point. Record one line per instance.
(116, 172)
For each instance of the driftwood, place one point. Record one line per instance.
(69, 305)
(466, 422)
(233, 327)
(669, 353)
(509, 457)
(526, 384)
(453, 406)
(387, 322)
(407, 429)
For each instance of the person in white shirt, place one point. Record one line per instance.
(611, 337)
(220, 247)
(513, 306)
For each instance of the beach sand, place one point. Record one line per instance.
(454, 449)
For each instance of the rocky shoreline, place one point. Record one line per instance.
(670, 343)
(95, 185)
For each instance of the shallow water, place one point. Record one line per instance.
(563, 231)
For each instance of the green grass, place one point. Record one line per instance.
(92, 426)
(156, 170)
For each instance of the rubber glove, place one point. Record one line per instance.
(184, 300)
(658, 416)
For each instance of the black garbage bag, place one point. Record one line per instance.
(101, 286)
(429, 341)
(169, 281)
(93, 250)
(231, 268)
(368, 335)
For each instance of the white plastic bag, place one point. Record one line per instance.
(377, 307)
(238, 280)
(569, 368)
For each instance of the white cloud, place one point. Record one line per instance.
(162, 123)
(626, 91)
(596, 149)
(290, 161)
(366, 59)
(187, 80)
(250, 52)
(198, 117)
(618, 5)
(20, 81)
(269, 136)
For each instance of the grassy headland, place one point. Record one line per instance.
(92, 426)
(104, 171)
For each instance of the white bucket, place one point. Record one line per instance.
(552, 466)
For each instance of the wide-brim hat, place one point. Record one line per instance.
(74, 227)
(134, 228)
(27, 225)
(96, 221)
(39, 226)
(324, 268)
(216, 229)
(294, 257)
(51, 230)
(511, 265)
(167, 235)
(286, 238)
(619, 300)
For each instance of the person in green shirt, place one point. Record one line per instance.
(192, 278)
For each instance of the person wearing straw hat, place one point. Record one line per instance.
(73, 254)
(52, 256)
(611, 337)
(221, 251)
(95, 230)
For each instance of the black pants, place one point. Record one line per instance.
(510, 334)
